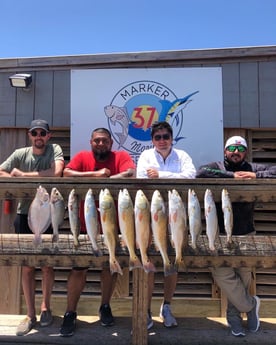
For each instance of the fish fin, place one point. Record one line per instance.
(115, 267)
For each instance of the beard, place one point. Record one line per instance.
(101, 155)
(39, 144)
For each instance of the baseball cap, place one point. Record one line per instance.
(236, 140)
(39, 124)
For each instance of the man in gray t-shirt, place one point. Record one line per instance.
(38, 160)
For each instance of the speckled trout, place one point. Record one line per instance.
(159, 225)
(177, 226)
(211, 218)
(57, 211)
(142, 228)
(227, 214)
(194, 215)
(39, 214)
(110, 227)
(73, 212)
(127, 226)
(91, 221)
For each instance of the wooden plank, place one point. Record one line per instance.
(258, 190)
(43, 84)
(61, 98)
(10, 302)
(139, 307)
(7, 101)
(267, 94)
(249, 89)
(231, 95)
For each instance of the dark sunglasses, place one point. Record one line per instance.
(233, 148)
(41, 133)
(158, 137)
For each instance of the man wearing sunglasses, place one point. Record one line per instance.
(235, 282)
(164, 161)
(41, 159)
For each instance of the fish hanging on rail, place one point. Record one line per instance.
(194, 215)
(110, 227)
(39, 214)
(227, 214)
(211, 219)
(57, 206)
(91, 221)
(73, 212)
(127, 226)
(142, 229)
(177, 226)
(159, 225)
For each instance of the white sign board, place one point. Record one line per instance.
(129, 101)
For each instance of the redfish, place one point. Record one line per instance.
(127, 226)
(142, 228)
(159, 225)
(110, 227)
(177, 225)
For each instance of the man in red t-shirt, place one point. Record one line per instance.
(101, 161)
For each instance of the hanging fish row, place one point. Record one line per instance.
(138, 223)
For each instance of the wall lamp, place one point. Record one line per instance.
(23, 80)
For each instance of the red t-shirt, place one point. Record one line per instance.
(117, 162)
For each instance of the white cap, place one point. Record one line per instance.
(236, 140)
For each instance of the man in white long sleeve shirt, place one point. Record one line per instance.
(164, 161)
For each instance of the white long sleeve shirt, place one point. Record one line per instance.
(178, 164)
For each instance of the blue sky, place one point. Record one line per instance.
(30, 28)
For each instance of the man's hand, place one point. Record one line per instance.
(152, 173)
(245, 174)
(102, 173)
(17, 173)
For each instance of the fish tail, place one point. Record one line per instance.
(115, 267)
(169, 269)
(76, 242)
(55, 238)
(97, 252)
(37, 239)
(179, 264)
(229, 239)
(149, 267)
(134, 263)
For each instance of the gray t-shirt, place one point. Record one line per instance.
(25, 160)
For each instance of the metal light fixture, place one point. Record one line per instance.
(22, 80)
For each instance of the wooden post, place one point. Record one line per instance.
(139, 307)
